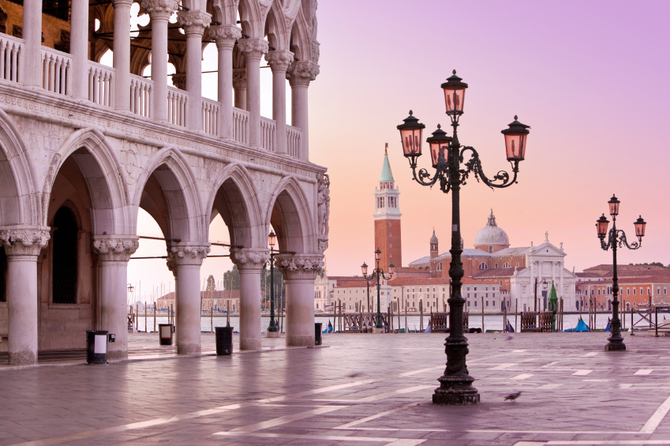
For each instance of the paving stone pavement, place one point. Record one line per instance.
(357, 389)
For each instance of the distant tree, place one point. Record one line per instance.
(651, 264)
(231, 279)
(211, 283)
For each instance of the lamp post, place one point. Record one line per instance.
(130, 288)
(378, 272)
(451, 171)
(616, 237)
(364, 267)
(272, 240)
(544, 285)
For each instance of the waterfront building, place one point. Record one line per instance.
(84, 146)
(217, 300)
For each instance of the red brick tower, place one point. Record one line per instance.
(387, 218)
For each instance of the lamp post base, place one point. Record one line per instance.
(378, 330)
(456, 391)
(272, 334)
(615, 346)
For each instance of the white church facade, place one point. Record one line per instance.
(84, 146)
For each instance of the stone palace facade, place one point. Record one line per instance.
(83, 146)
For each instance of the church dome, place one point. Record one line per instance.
(491, 238)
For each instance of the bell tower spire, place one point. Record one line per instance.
(387, 217)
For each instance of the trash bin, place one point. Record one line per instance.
(96, 346)
(224, 340)
(165, 333)
(317, 333)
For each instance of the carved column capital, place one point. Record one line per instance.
(24, 241)
(160, 9)
(249, 258)
(194, 22)
(225, 36)
(240, 78)
(300, 266)
(253, 47)
(301, 73)
(186, 255)
(279, 60)
(115, 248)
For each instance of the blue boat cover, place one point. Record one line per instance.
(581, 326)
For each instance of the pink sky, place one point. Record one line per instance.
(591, 78)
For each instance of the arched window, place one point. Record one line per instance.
(64, 270)
(507, 265)
(439, 266)
(483, 266)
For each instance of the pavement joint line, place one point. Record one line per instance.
(388, 441)
(660, 413)
(374, 417)
(381, 396)
(285, 419)
(591, 442)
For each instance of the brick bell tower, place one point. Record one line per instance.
(387, 218)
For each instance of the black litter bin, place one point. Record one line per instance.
(165, 332)
(224, 340)
(96, 346)
(317, 333)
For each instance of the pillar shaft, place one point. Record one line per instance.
(225, 37)
(240, 85)
(32, 35)
(114, 254)
(22, 247)
(249, 262)
(254, 50)
(279, 62)
(194, 24)
(122, 54)
(79, 48)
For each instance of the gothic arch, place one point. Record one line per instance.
(167, 190)
(100, 168)
(18, 195)
(301, 42)
(252, 17)
(278, 27)
(235, 198)
(291, 217)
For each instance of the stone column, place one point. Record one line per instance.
(225, 37)
(279, 62)
(114, 253)
(300, 74)
(194, 24)
(249, 262)
(159, 11)
(22, 247)
(185, 261)
(299, 273)
(122, 54)
(253, 50)
(32, 35)
(240, 86)
(79, 48)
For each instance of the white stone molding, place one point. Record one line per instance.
(24, 241)
(302, 72)
(300, 266)
(225, 36)
(115, 249)
(194, 22)
(253, 47)
(249, 258)
(323, 204)
(186, 255)
(279, 60)
(160, 9)
(117, 3)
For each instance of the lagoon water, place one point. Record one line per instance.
(491, 322)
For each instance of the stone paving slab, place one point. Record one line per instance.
(360, 389)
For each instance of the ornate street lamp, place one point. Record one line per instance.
(616, 237)
(131, 288)
(272, 240)
(377, 273)
(451, 171)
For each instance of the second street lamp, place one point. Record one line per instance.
(447, 157)
(617, 238)
(272, 240)
(378, 272)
